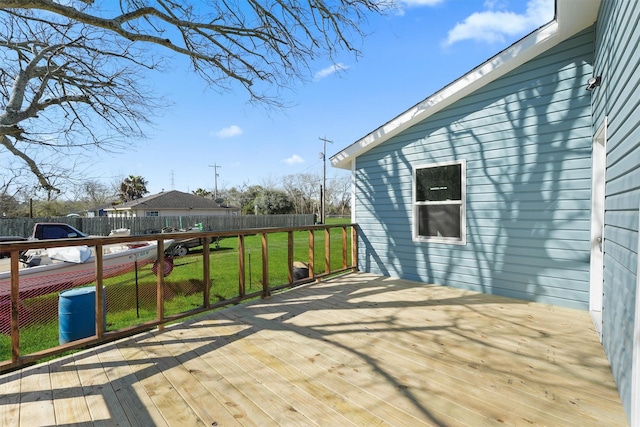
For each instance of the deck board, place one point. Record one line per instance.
(208, 368)
(354, 350)
(68, 399)
(131, 395)
(100, 397)
(10, 399)
(36, 403)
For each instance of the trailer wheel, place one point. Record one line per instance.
(167, 264)
(180, 251)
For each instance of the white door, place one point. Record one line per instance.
(635, 363)
(599, 159)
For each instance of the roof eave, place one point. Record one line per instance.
(566, 23)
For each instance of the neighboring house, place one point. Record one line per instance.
(97, 211)
(515, 180)
(171, 203)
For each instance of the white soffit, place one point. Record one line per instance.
(572, 16)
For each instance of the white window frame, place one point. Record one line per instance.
(151, 214)
(462, 240)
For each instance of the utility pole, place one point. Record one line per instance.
(215, 180)
(324, 177)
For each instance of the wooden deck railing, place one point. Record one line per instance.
(317, 270)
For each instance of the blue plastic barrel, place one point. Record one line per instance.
(77, 313)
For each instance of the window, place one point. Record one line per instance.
(60, 231)
(151, 213)
(439, 203)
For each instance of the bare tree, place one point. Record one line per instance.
(92, 193)
(245, 42)
(339, 194)
(304, 191)
(243, 197)
(59, 85)
(9, 195)
(72, 67)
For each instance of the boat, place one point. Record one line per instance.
(47, 262)
(45, 271)
(60, 268)
(40, 262)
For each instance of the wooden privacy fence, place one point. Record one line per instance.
(101, 226)
(12, 291)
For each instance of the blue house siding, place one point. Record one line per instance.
(526, 139)
(617, 60)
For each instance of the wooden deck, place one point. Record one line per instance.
(356, 350)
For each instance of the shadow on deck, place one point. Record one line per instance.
(354, 350)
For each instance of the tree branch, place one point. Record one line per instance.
(33, 167)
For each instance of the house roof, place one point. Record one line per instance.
(568, 21)
(172, 200)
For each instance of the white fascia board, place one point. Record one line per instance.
(566, 24)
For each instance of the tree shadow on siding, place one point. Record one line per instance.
(528, 192)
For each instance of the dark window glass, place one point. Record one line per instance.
(55, 232)
(439, 183)
(439, 221)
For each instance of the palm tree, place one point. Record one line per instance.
(202, 192)
(133, 187)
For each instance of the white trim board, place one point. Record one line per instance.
(569, 21)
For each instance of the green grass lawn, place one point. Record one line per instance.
(131, 297)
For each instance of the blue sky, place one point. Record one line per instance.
(410, 54)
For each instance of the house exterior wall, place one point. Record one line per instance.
(526, 140)
(172, 212)
(184, 212)
(617, 60)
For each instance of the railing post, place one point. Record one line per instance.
(206, 273)
(15, 300)
(160, 284)
(312, 273)
(344, 247)
(290, 255)
(99, 292)
(241, 271)
(354, 247)
(265, 266)
(327, 250)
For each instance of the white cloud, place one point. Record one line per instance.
(401, 5)
(495, 4)
(325, 72)
(492, 26)
(295, 159)
(228, 132)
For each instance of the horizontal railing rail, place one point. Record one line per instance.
(317, 269)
